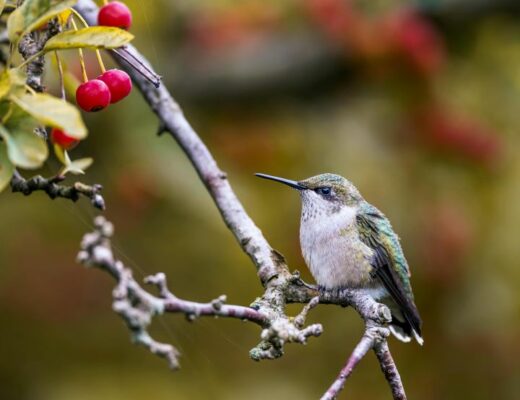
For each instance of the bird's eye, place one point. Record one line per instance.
(325, 191)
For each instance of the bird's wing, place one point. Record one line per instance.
(388, 262)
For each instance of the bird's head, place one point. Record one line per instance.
(322, 194)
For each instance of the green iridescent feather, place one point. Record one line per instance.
(376, 231)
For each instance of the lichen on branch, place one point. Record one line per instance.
(137, 307)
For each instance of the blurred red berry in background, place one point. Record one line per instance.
(445, 240)
(403, 36)
(416, 40)
(243, 24)
(446, 131)
(336, 17)
(63, 140)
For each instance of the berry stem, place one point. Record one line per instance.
(60, 73)
(83, 68)
(10, 56)
(80, 17)
(80, 52)
(85, 24)
(8, 114)
(30, 90)
(100, 61)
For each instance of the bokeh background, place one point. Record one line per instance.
(416, 102)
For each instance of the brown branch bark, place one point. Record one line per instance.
(54, 190)
(281, 287)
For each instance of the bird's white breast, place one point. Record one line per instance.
(333, 251)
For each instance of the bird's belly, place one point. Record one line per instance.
(337, 259)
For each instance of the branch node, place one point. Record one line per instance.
(191, 317)
(299, 320)
(295, 277)
(384, 314)
(51, 187)
(162, 129)
(135, 306)
(218, 302)
(159, 280)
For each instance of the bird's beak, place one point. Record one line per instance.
(288, 182)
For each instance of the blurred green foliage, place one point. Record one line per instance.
(426, 128)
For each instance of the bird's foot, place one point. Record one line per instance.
(317, 288)
(300, 282)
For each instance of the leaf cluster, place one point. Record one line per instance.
(23, 111)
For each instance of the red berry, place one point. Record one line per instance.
(118, 82)
(62, 139)
(115, 14)
(93, 95)
(418, 41)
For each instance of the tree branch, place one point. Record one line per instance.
(137, 307)
(31, 44)
(366, 343)
(281, 287)
(389, 368)
(50, 186)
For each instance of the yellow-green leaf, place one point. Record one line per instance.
(61, 154)
(63, 17)
(25, 148)
(51, 111)
(5, 84)
(33, 13)
(95, 37)
(2, 5)
(6, 167)
(10, 81)
(77, 167)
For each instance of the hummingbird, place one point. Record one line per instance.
(348, 243)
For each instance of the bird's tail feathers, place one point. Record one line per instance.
(404, 332)
(399, 333)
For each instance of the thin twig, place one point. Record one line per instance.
(359, 352)
(54, 190)
(61, 76)
(389, 369)
(137, 307)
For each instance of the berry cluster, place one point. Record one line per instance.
(108, 88)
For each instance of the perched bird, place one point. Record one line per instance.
(348, 243)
